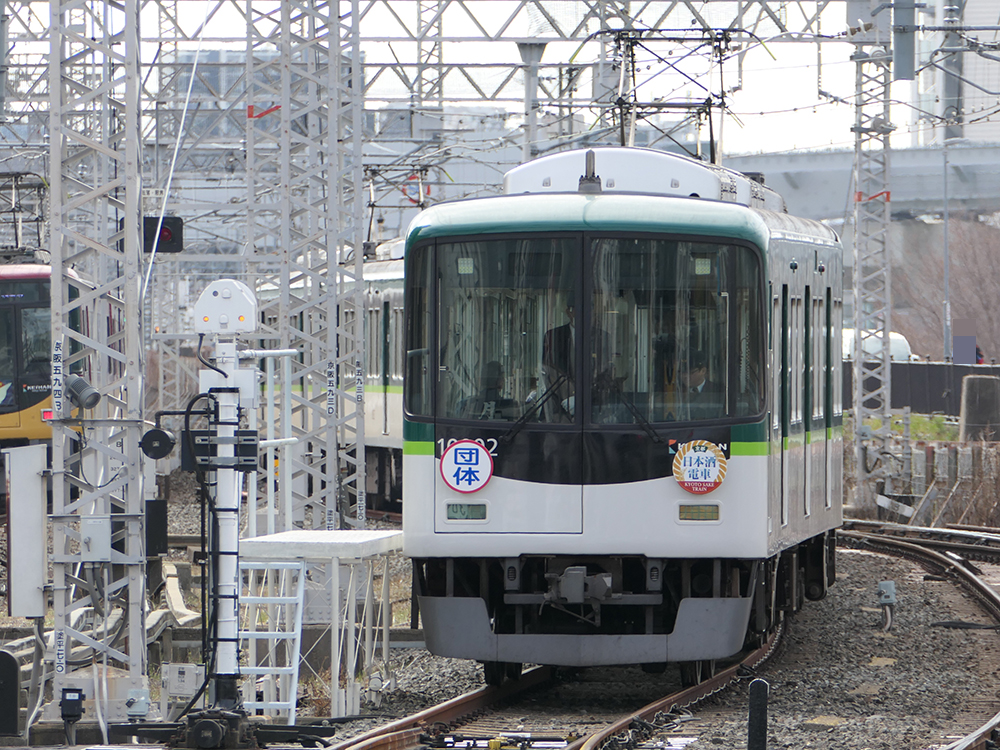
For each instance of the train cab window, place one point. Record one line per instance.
(507, 329)
(677, 331)
(670, 330)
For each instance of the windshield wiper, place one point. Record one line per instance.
(523, 419)
(639, 418)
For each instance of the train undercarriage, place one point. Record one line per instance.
(590, 610)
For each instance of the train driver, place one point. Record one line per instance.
(559, 366)
(704, 397)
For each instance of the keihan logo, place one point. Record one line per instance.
(699, 466)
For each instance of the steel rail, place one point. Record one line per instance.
(681, 699)
(983, 546)
(405, 732)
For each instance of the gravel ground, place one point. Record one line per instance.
(838, 680)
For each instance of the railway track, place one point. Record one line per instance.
(492, 715)
(494, 718)
(946, 552)
(969, 543)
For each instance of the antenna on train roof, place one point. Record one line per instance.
(590, 182)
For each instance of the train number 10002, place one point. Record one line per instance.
(490, 444)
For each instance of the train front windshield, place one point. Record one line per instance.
(611, 331)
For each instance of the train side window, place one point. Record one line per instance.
(396, 351)
(419, 380)
(821, 338)
(797, 364)
(838, 370)
(750, 360)
(776, 362)
(807, 358)
(385, 337)
(829, 361)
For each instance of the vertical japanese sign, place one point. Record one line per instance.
(60, 648)
(57, 378)
(331, 389)
(466, 466)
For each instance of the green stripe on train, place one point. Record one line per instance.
(421, 432)
(414, 448)
(749, 449)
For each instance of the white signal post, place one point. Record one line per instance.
(226, 308)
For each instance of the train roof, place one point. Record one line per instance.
(610, 212)
(641, 170)
(383, 270)
(25, 271)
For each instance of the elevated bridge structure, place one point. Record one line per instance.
(817, 184)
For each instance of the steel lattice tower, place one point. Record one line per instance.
(872, 276)
(95, 227)
(304, 207)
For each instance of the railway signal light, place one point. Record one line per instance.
(171, 234)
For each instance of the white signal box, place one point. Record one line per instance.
(226, 306)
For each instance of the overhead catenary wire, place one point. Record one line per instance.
(151, 262)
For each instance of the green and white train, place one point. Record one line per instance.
(384, 382)
(622, 426)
